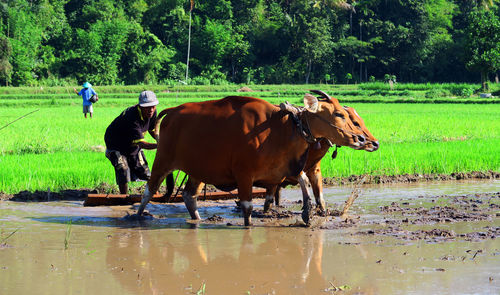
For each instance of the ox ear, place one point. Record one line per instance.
(311, 103)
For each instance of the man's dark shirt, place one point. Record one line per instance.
(127, 129)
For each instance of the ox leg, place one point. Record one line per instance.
(189, 194)
(277, 196)
(270, 193)
(152, 186)
(306, 209)
(146, 196)
(316, 180)
(247, 208)
(245, 196)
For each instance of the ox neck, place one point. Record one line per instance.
(304, 127)
(297, 114)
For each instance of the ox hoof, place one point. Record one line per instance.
(307, 219)
(268, 204)
(195, 215)
(143, 216)
(307, 215)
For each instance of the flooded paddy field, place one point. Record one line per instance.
(423, 238)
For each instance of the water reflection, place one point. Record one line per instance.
(262, 260)
(109, 254)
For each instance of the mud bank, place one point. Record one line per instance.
(103, 188)
(422, 218)
(410, 178)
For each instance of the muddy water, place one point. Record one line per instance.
(106, 253)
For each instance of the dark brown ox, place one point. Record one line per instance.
(240, 142)
(316, 152)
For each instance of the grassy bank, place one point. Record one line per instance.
(56, 148)
(172, 95)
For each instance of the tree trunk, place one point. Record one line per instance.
(360, 64)
(309, 66)
(484, 82)
(189, 47)
(233, 69)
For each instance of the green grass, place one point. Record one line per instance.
(416, 158)
(367, 92)
(55, 146)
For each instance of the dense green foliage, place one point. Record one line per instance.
(61, 42)
(484, 49)
(56, 148)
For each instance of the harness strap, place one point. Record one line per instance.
(296, 113)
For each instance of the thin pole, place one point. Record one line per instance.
(20, 118)
(178, 189)
(189, 42)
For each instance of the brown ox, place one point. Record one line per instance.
(316, 152)
(240, 142)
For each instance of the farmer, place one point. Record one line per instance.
(86, 93)
(125, 140)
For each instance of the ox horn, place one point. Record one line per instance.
(321, 94)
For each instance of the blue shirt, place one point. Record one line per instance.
(86, 93)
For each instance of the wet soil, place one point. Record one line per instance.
(410, 178)
(395, 219)
(403, 220)
(399, 216)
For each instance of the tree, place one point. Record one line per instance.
(145, 58)
(317, 43)
(25, 35)
(5, 66)
(483, 46)
(348, 77)
(356, 49)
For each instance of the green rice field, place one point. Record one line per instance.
(56, 148)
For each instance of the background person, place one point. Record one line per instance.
(124, 139)
(86, 93)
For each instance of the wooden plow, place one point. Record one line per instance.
(121, 199)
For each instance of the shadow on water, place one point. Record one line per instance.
(160, 216)
(119, 222)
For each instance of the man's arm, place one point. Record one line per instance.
(143, 144)
(147, 145)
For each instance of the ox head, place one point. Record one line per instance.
(328, 119)
(371, 142)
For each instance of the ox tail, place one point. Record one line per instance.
(158, 121)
